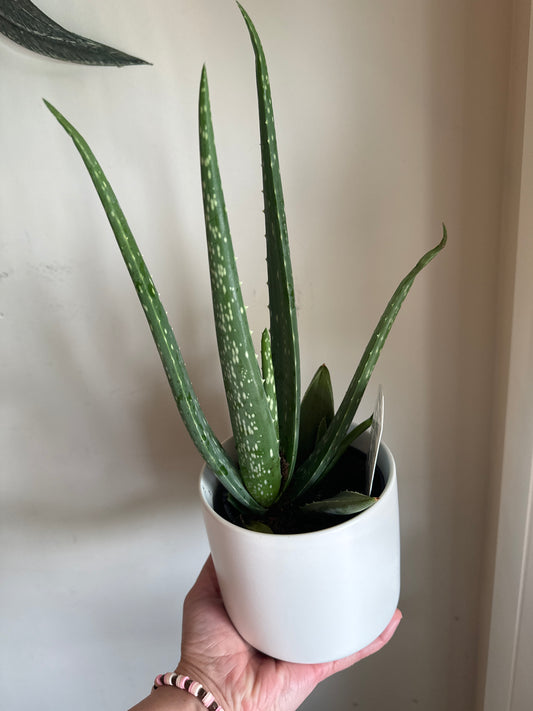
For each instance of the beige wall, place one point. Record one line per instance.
(508, 607)
(391, 118)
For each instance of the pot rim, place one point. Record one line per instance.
(384, 453)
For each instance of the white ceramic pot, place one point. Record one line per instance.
(310, 597)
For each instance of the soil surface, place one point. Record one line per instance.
(348, 474)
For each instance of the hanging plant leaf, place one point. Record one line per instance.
(22, 22)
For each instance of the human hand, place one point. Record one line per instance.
(240, 677)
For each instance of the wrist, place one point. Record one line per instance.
(169, 699)
(180, 681)
(209, 682)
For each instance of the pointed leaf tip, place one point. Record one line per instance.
(24, 23)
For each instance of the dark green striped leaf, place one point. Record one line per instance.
(22, 22)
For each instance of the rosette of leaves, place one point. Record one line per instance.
(287, 447)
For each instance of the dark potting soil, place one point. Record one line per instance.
(348, 474)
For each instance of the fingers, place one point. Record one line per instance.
(391, 628)
(373, 647)
(206, 584)
(384, 637)
(207, 575)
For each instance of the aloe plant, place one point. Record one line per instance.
(286, 446)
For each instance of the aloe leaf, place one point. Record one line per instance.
(283, 324)
(186, 400)
(344, 503)
(317, 408)
(253, 428)
(312, 470)
(269, 382)
(22, 22)
(321, 431)
(258, 527)
(350, 438)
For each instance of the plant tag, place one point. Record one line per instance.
(376, 430)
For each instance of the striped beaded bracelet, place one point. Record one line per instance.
(193, 687)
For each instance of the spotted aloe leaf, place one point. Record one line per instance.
(252, 423)
(269, 382)
(178, 378)
(345, 503)
(319, 463)
(283, 325)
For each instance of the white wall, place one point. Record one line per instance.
(390, 119)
